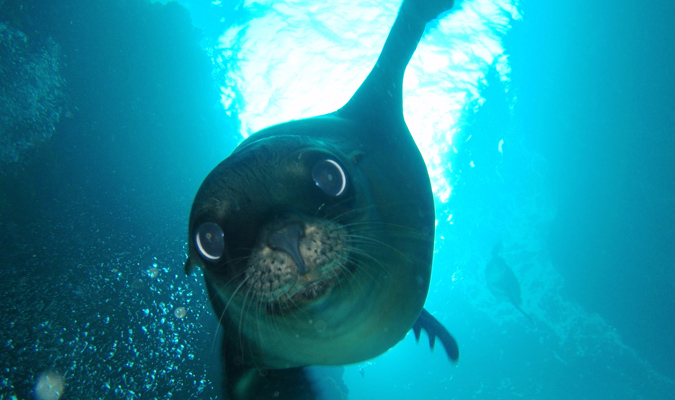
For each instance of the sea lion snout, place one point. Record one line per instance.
(296, 257)
(287, 239)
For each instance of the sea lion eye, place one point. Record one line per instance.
(330, 177)
(209, 241)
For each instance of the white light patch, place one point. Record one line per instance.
(297, 59)
(49, 386)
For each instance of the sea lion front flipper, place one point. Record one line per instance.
(300, 383)
(435, 330)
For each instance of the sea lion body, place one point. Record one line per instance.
(316, 236)
(390, 207)
(502, 282)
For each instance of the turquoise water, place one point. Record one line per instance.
(547, 128)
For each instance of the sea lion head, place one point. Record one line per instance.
(305, 259)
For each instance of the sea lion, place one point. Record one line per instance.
(316, 236)
(502, 282)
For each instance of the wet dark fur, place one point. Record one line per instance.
(307, 277)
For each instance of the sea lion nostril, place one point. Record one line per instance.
(287, 239)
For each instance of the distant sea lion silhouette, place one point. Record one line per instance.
(502, 282)
(316, 236)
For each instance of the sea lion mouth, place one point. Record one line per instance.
(311, 293)
(295, 263)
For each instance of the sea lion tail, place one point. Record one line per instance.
(524, 313)
(380, 95)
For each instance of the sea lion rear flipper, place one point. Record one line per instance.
(435, 330)
(189, 266)
(381, 93)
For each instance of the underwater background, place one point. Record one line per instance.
(547, 127)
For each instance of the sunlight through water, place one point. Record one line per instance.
(298, 59)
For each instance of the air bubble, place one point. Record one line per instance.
(49, 386)
(180, 312)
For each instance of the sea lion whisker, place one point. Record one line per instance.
(272, 321)
(261, 314)
(334, 206)
(370, 240)
(351, 211)
(386, 228)
(359, 266)
(285, 325)
(345, 270)
(225, 284)
(241, 323)
(222, 314)
(358, 210)
(234, 278)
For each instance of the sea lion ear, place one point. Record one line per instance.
(189, 266)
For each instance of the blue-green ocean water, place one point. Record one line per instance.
(546, 127)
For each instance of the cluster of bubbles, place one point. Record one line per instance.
(32, 93)
(129, 328)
